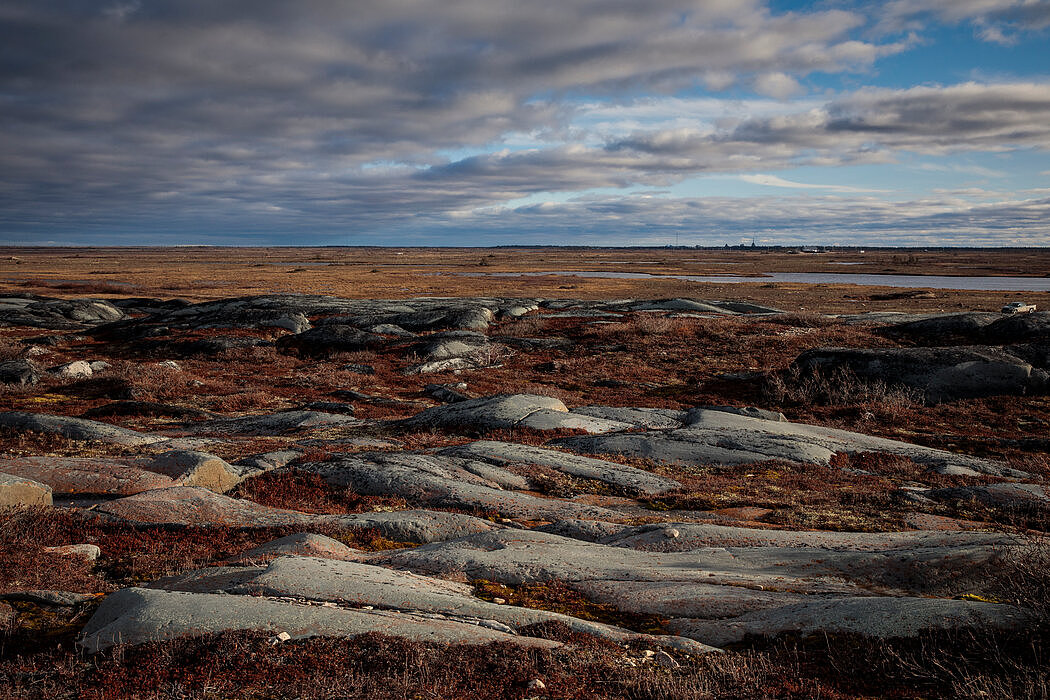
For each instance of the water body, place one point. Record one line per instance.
(1004, 284)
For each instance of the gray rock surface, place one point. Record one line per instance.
(871, 616)
(359, 584)
(504, 453)
(1019, 328)
(58, 314)
(650, 418)
(185, 505)
(193, 468)
(271, 423)
(546, 419)
(18, 372)
(303, 544)
(138, 615)
(516, 557)
(267, 461)
(86, 476)
(20, 491)
(437, 480)
(75, 428)
(942, 374)
(717, 437)
(486, 413)
(937, 329)
(325, 341)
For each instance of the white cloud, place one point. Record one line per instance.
(779, 85)
(775, 181)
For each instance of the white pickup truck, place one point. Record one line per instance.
(1018, 307)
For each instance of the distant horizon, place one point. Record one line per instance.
(642, 123)
(857, 248)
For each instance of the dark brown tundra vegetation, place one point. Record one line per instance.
(519, 496)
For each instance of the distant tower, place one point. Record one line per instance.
(753, 243)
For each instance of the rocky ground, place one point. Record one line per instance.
(296, 495)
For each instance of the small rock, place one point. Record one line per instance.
(499, 601)
(72, 370)
(89, 552)
(447, 393)
(277, 639)
(537, 684)
(665, 660)
(170, 364)
(358, 369)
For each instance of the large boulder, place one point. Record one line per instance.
(193, 468)
(1019, 328)
(18, 372)
(942, 374)
(19, 491)
(945, 329)
(325, 341)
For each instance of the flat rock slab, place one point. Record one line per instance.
(871, 616)
(138, 615)
(304, 544)
(649, 418)
(75, 428)
(185, 505)
(20, 491)
(719, 437)
(504, 453)
(487, 413)
(439, 480)
(675, 599)
(90, 476)
(521, 556)
(547, 419)
(682, 537)
(360, 584)
(274, 423)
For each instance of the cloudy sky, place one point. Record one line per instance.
(489, 122)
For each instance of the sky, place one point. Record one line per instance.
(503, 122)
